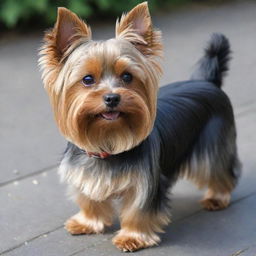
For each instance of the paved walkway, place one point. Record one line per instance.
(33, 203)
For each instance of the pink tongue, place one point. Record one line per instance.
(111, 115)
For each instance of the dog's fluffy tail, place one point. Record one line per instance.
(213, 65)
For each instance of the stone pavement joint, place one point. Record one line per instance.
(30, 240)
(46, 169)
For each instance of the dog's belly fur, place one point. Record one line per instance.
(193, 136)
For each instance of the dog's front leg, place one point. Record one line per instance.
(139, 226)
(92, 218)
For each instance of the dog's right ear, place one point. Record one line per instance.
(68, 29)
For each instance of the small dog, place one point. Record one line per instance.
(128, 140)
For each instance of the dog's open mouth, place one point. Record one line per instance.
(110, 115)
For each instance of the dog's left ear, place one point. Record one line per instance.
(136, 27)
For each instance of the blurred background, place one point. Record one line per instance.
(31, 13)
(33, 203)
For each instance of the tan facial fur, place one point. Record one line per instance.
(69, 54)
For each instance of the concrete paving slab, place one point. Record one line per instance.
(214, 233)
(32, 207)
(58, 243)
(29, 139)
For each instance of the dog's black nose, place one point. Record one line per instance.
(111, 99)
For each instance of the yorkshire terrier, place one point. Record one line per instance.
(126, 138)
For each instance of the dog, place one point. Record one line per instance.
(129, 140)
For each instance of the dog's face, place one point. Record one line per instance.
(103, 92)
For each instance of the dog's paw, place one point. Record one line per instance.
(133, 241)
(213, 204)
(79, 224)
(215, 201)
(128, 244)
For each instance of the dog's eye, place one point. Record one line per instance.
(88, 80)
(126, 77)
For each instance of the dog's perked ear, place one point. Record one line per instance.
(68, 31)
(136, 27)
(69, 28)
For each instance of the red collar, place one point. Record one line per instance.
(101, 155)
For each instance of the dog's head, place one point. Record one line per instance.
(103, 93)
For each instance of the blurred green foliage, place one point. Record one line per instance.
(13, 12)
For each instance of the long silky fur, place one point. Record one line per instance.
(193, 136)
(186, 129)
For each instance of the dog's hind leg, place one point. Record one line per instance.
(214, 164)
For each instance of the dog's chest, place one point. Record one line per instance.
(96, 182)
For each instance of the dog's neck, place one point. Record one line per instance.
(101, 155)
